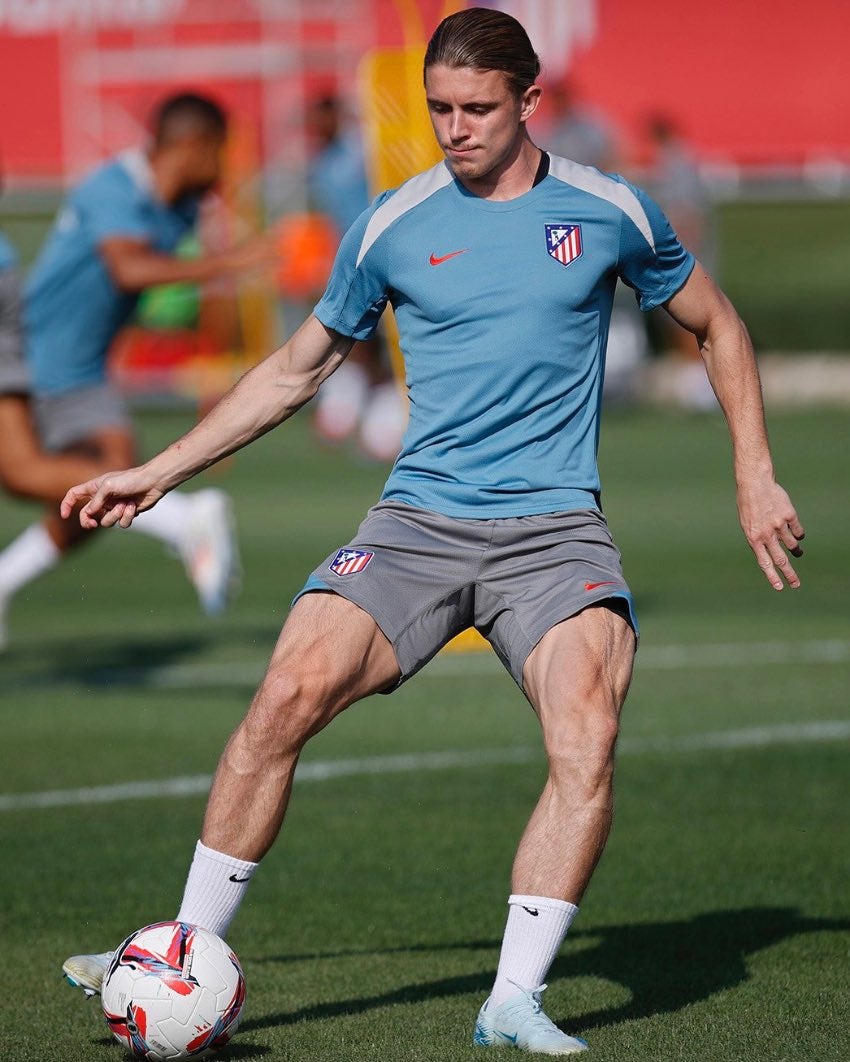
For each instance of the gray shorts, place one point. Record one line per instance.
(14, 378)
(424, 578)
(73, 416)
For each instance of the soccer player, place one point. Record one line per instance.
(26, 470)
(500, 264)
(113, 238)
(363, 392)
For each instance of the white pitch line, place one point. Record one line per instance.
(322, 770)
(673, 657)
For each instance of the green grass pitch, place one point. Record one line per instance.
(717, 927)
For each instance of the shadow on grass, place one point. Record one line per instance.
(234, 1050)
(126, 661)
(665, 966)
(669, 965)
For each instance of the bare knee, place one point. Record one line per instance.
(290, 706)
(14, 480)
(580, 752)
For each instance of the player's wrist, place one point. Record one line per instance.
(753, 469)
(165, 472)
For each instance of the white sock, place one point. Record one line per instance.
(535, 931)
(214, 889)
(168, 520)
(32, 553)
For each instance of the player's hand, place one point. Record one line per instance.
(114, 498)
(772, 528)
(258, 254)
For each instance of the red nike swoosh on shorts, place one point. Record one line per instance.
(593, 586)
(434, 260)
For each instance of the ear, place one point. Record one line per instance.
(529, 102)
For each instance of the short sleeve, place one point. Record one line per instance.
(112, 208)
(651, 260)
(357, 291)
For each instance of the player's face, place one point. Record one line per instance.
(478, 120)
(203, 158)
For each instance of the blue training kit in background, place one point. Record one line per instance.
(72, 306)
(8, 257)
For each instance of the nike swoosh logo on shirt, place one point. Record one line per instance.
(434, 260)
(593, 586)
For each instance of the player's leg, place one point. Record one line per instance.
(576, 678)
(42, 545)
(371, 614)
(30, 473)
(330, 654)
(26, 469)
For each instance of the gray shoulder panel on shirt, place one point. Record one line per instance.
(591, 180)
(137, 165)
(409, 195)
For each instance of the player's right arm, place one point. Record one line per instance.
(266, 396)
(134, 265)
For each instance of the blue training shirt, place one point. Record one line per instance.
(72, 307)
(503, 311)
(8, 256)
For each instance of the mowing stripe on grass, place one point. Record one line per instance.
(673, 657)
(247, 673)
(322, 770)
(656, 657)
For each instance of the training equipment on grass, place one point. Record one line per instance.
(173, 991)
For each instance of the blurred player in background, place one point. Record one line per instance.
(363, 393)
(26, 469)
(501, 265)
(114, 237)
(677, 184)
(580, 132)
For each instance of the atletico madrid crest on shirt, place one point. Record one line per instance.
(563, 242)
(350, 561)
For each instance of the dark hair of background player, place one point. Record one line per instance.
(188, 112)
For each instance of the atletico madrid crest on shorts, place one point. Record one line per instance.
(563, 242)
(350, 561)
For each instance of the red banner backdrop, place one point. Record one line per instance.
(748, 82)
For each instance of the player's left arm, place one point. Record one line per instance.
(768, 518)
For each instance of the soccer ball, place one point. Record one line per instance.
(172, 991)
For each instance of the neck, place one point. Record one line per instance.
(512, 177)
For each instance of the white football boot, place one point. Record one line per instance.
(87, 971)
(520, 1022)
(209, 551)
